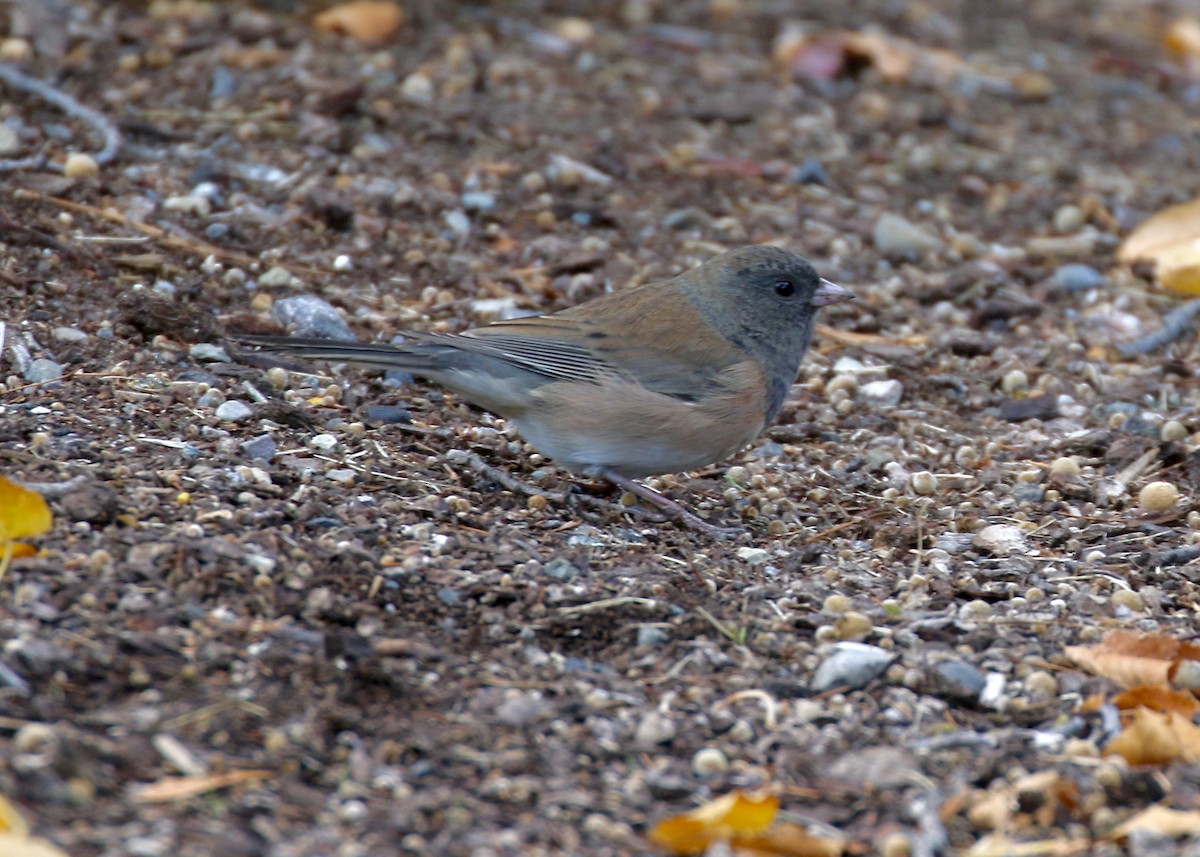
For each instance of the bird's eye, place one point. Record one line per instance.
(785, 288)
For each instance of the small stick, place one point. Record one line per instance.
(98, 122)
(1175, 324)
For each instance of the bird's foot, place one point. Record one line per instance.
(673, 509)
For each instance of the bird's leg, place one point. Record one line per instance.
(669, 506)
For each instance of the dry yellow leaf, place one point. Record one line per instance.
(1156, 739)
(14, 845)
(23, 513)
(1133, 660)
(1161, 820)
(11, 820)
(181, 788)
(1170, 239)
(734, 815)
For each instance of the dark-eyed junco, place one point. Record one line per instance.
(657, 378)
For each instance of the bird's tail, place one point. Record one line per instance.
(360, 353)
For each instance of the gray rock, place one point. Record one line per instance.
(852, 666)
(42, 370)
(10, 143)
(560, 569)
(385, 414)
(1077, 277)
(520, 709)
(655, 729)
(72, 335)
(261, 448)
(234, 411)
(1001, 540)
(309, 315)
(207, 352)
(277, 277)
(477, 200)
(958, 680)
(885, 393)
(893, 235)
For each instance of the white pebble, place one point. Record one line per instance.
(81, 166)
(709, 761)
(1158, 496)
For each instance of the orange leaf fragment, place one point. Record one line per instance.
(23, 513)
(369, 22)
(729, 817)
(746, 823)
(181, 788)
(1171, 240)
(1160, 699)
(1156, 739)
(1132, 660)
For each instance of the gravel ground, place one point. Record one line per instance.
(336, 580)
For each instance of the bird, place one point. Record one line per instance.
(663, 377)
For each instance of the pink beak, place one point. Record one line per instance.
(830, 293)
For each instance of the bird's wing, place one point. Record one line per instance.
(546, 345)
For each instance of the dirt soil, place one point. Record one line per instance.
(340, 582)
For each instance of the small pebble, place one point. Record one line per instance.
(261, 448)
(323, 442)
(1065, 466)
(71, 335)
(895, 844)
(309, 315)
(207, 352)
(478, 201)
(923, 483)
(81, 166)
(560, 569)
(10, 143)
(197, 205)
(1014, 381)
(520, 708)
(809, 172)
(853, 625)
(894, 235)
(234, 411)
(15, 50)
(1077, 277)
(1173, 431)
(881, 394)
(851, 665)
(41, 370)
(1069, 218)
(388, 414)
(655, 730)
(958, 680)
(1158, 496)
(277, 277)
(1040, 684)
(1128, 599)
(652, 636)
(1000, 540)
(836, 604)
(417, 88)
(709, 762)
(753, 556)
